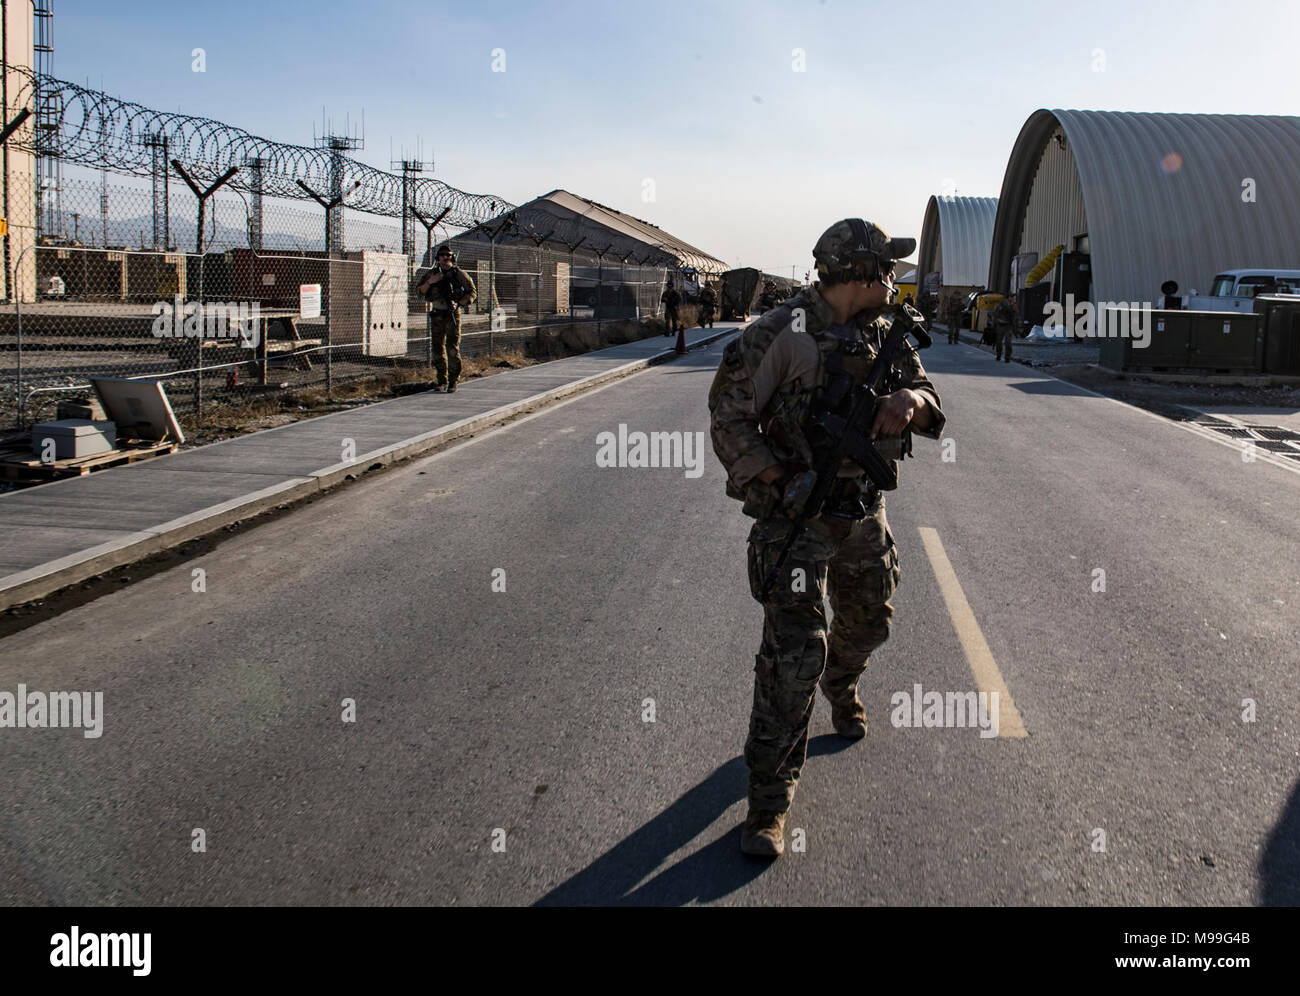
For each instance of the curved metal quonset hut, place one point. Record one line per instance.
(955, 240)
(1150, 198)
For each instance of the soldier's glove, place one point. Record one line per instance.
(797, 492)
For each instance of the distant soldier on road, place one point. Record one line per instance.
(1006, 323)
(447, 288)
(769, 387)
(708, 301)
(953, 319)
(671, 300)
(770, 297)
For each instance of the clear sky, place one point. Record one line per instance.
(751, 155)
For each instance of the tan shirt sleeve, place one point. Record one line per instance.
(754, 366)
(473, 291)
(915, 377)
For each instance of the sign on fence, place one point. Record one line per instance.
(309, 300)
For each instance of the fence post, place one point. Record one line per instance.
(198, 344)
(325, 306)
(18, 370)
(329, 205)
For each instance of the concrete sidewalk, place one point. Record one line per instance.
(61, 533)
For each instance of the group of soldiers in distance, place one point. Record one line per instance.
(1002, 328)
(1003, 325)
(708, 302)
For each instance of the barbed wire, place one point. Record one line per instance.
(95, 129)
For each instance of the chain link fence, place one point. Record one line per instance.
(105, 287)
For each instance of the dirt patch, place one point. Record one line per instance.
(225, 421)
(559, 340)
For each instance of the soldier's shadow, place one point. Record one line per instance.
(1279, 864)
(705, 875)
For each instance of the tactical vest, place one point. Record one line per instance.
(449, 290)
(788, 420)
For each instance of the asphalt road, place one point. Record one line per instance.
(524, 710)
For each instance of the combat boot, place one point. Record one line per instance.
(763, 835)
(848, 717)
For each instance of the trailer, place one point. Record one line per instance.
(741, 289)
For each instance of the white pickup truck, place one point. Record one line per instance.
(1236, 290)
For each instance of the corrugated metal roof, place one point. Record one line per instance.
(637, 229)
(964, 227)
(564, 219)
(1163, 195)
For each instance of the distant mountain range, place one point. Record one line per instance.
(304, 233)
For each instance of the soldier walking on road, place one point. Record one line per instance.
(954, 315)
(447, 288)
(770, 297)
(671, 299)
(708, 300)
(768, 388)
(1006, 323)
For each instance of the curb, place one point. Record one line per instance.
(44, 580)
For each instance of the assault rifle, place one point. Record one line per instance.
(450, 288)
(848, 435)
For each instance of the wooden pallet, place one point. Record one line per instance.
(20, 466)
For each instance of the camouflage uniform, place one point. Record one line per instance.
(768, 300)
(760, 401)
(444, 321)
(708, 300)
(671, 299)
(954, 314)
(1006, 322)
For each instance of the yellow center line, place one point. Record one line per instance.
(973, 644)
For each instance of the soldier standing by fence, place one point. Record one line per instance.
(447, 288)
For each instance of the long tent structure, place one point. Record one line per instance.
(1136, 199)
(563, 220)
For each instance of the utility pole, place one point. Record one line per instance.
(337, 145)
(410, 169)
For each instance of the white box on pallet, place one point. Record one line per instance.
(74, 438)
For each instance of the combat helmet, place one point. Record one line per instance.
(853, 242)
